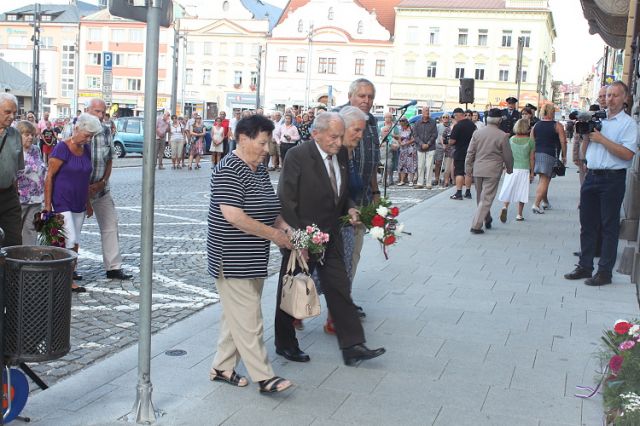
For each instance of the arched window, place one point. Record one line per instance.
(330, 16)
(360, 27)
(225, 6)
(300, 26)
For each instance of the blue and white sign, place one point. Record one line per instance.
(107, 60)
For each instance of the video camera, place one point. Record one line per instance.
(590, 121)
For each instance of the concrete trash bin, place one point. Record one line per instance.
(37, 296)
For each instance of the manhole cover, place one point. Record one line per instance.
(176, 352)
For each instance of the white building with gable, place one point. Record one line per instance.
(319, 47)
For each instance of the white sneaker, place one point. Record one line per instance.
(410, 183)
(537, 210)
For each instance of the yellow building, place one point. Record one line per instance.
(437, 42)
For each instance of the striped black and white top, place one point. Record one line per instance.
(234, 184)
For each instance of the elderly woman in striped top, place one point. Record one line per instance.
(244, 218)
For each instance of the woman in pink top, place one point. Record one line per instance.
(289, 136)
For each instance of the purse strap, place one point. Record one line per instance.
(296, 255)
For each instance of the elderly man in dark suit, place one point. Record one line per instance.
(313, 190)
(489, 152)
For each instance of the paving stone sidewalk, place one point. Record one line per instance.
(479, 330)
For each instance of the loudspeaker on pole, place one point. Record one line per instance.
(466, 94)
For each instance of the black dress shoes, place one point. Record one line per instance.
(476, 231)
(118, 274)
(487, 223)
(361, 312)
(295, 355)
(600, 278)
(77, 276)
(360, 352)
(578, 273)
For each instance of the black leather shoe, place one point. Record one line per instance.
(577, 253)
(476, 231)
(487, 224)
(361, 312)
(77, 276)
(360, 352)
(78, 290)
(295, 355)
(118, 274)
(467, 195)
(578, 273)
(599, 279)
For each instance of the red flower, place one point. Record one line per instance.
(389, 240)
(377, 220)
(622, 327)
(394, 211)
(615, 363)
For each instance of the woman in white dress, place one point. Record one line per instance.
(217, 137)
(515, 187)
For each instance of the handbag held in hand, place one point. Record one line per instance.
(299, 296)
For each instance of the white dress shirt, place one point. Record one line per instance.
(336, 165)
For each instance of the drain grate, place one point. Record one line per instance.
(175, 352)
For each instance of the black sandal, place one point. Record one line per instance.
(234, 379)
(271, 385)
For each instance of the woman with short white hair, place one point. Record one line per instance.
(66, 189)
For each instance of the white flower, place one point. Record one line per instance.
(377, 232)
(634, 330)
(382, 211)
(399, 229)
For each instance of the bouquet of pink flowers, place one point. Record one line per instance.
(310, 238)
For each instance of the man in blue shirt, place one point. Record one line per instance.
(608, 153)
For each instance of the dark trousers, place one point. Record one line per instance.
(601, 197)
(284, 147)
(335, 284)
(10, 217)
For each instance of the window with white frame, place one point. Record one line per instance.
(237, 78)
(506, 38)
(94, 34)
(134, 84)
(526, 35)
(322, 65)
(118, 59)
(331, 65)
(93, 82)
(95, 58)
(118, 84)
(483, 37)
(503, 74)
(330, 14)
(523, 75)
(207, 48)
(282, 63)
(409, 67)
(206, 77)
(46, 42)
(479, 74)
(118, 35)
(360, 27)
(188, 76)
(432, 68)
(300, 26)
(191, 47)
(463, 35)
(254, 78)
(134, 60)
(66, 88)
(380, 65)
(136, 35)
(301, 64)
(459, 70)
(359, 67)
(434, 36)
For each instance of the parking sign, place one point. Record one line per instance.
(107, 63)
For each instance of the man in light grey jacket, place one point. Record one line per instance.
(489, 152)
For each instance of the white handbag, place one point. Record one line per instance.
(299, 296)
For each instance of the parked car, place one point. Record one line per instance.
(129, 137)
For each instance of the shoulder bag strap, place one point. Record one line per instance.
(4, 139)
(303, 263)
(291, 266)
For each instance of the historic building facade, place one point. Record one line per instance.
(437, 42)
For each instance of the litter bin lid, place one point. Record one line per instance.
(42, 255)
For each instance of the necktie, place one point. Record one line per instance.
(332, 178)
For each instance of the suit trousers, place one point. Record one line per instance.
(600, 201)
(337, 293)
(425, 167)
(358, 237)
(105, 210)
(486, 189)
(10, 217)
(241, 328)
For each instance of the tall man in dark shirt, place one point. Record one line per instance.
(459, 139)
(425, 133)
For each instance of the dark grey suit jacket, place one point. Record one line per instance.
(305, 190)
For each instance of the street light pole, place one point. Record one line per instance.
(307, 92)
(176, 60)
(35, 79)
(258, 79)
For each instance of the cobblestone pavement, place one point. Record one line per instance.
(105, 319)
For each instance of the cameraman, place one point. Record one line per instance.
(608, 153)
(578, 139)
